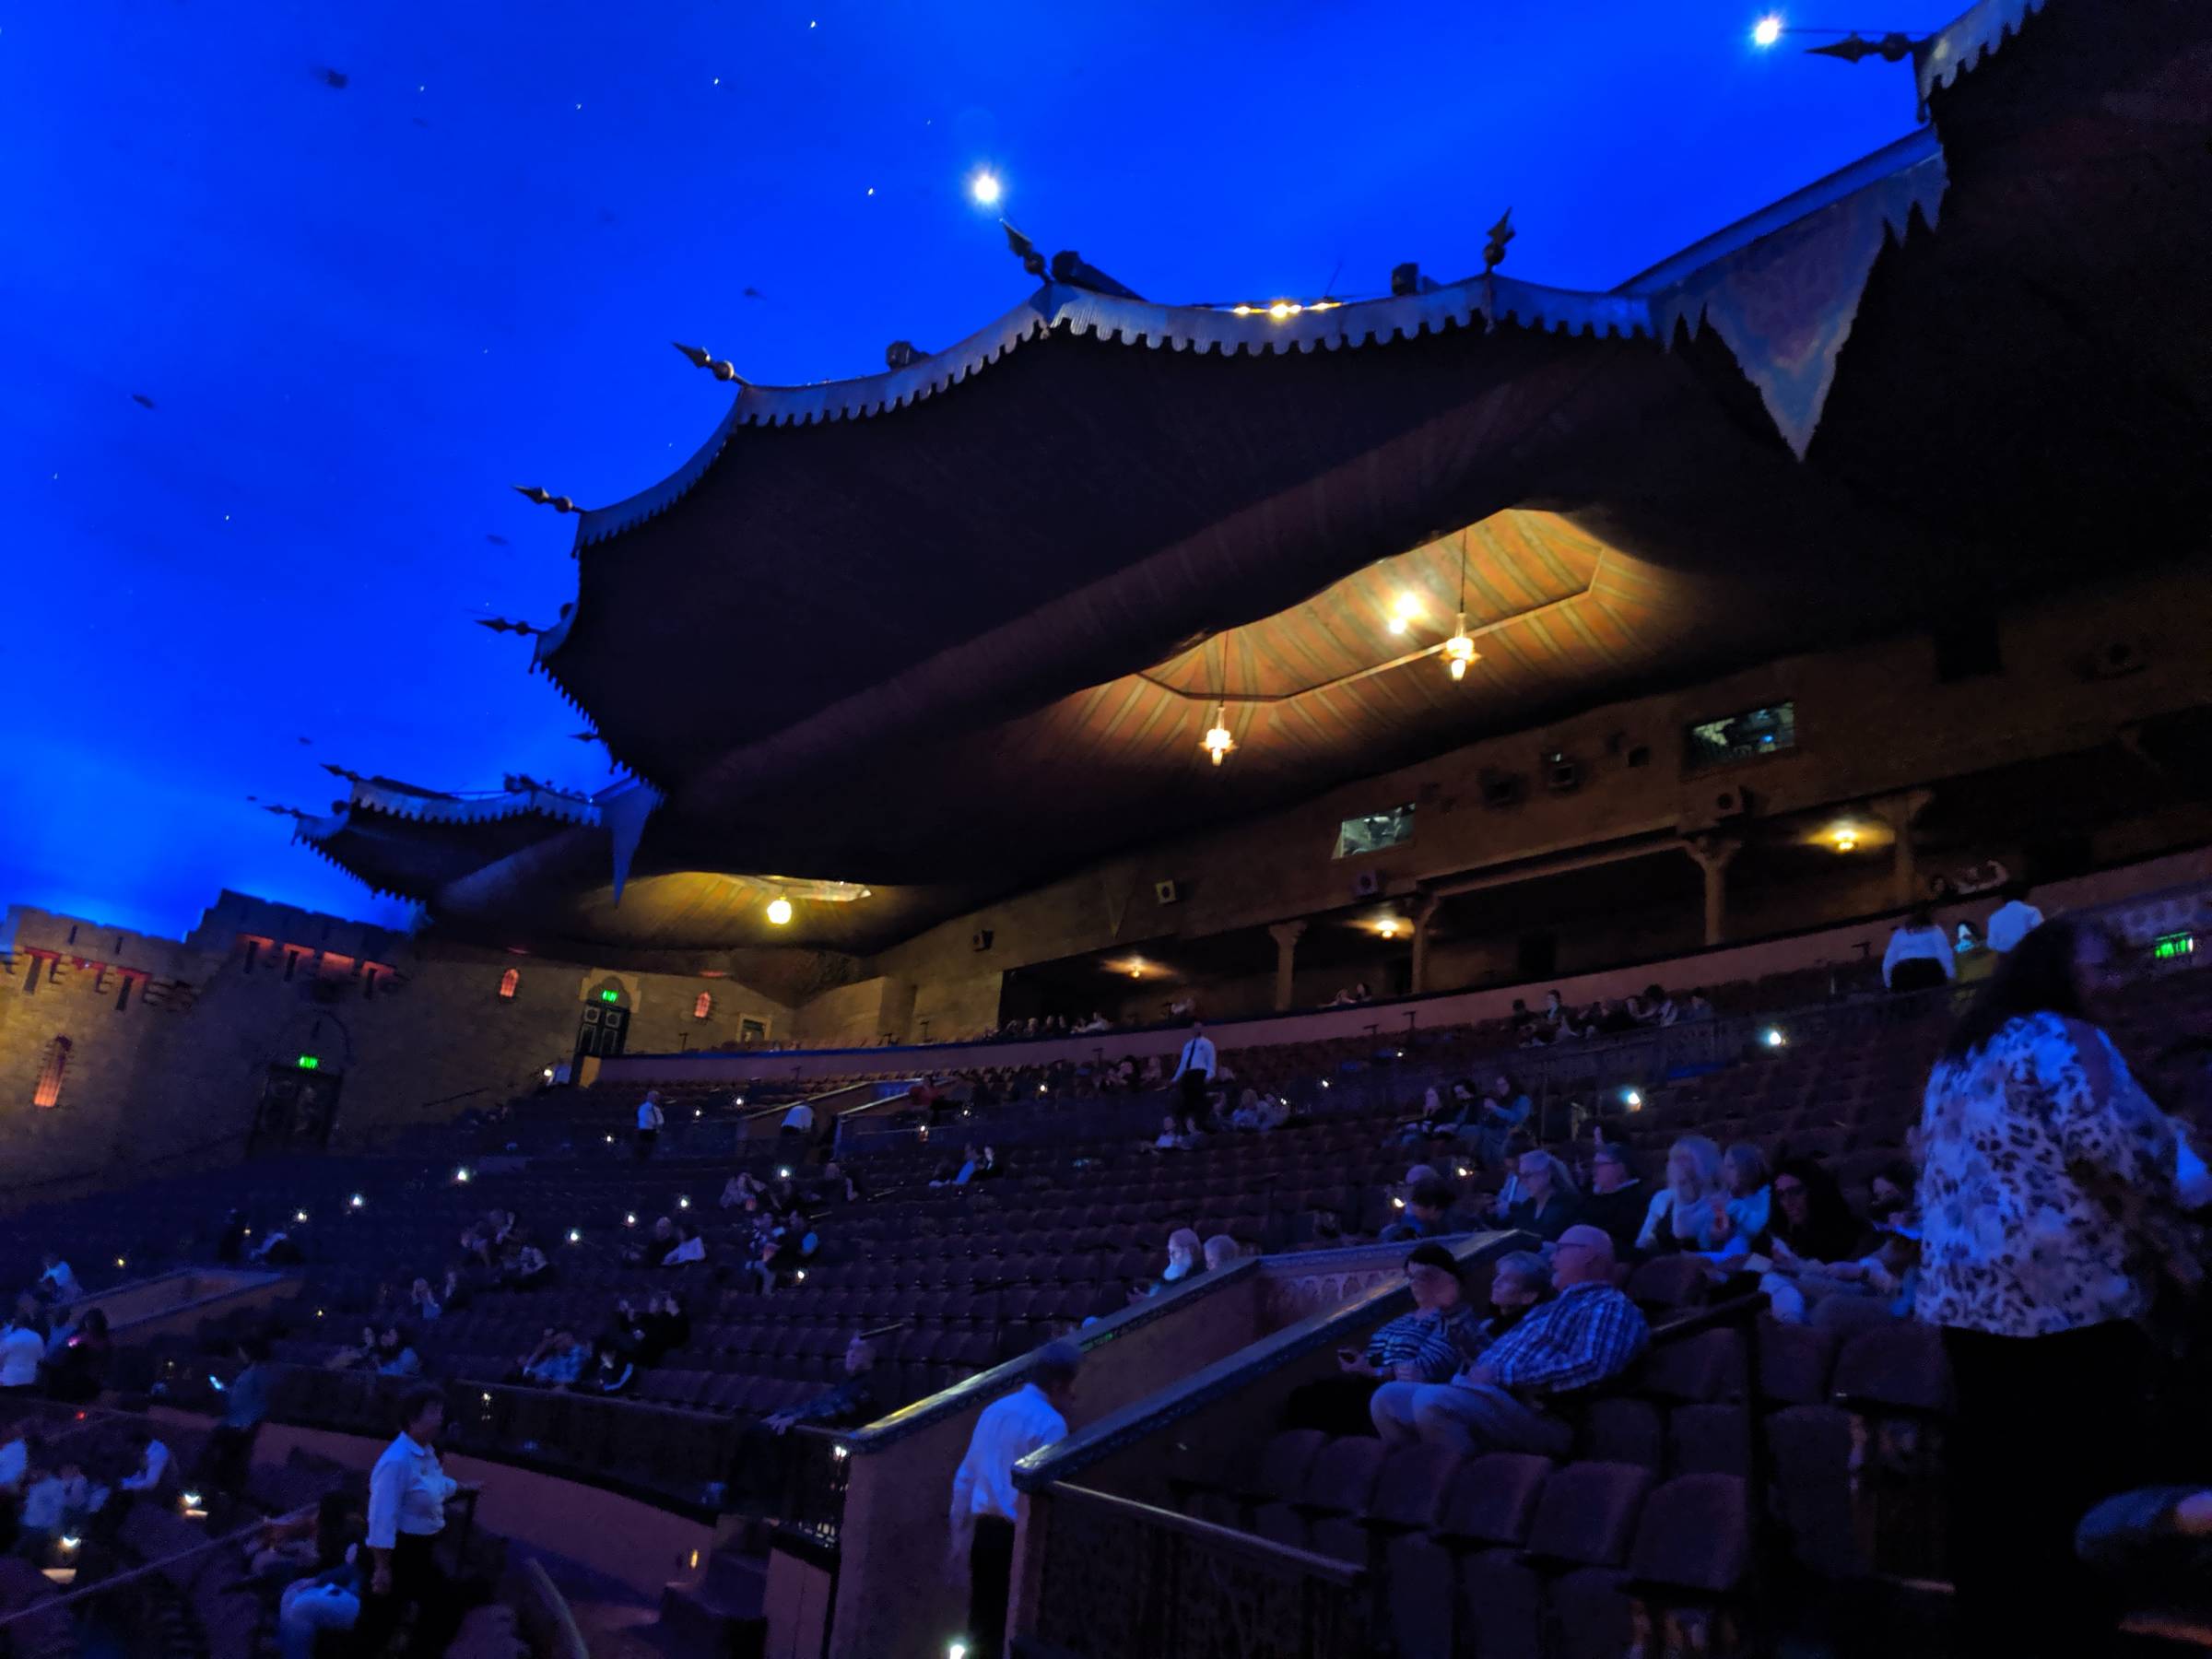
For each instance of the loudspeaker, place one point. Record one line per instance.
(983, 939)
(1367, 884)
(1165, 892)
(1562, 773)
(1732, 804)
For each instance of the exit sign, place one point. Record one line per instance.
(610, 996)
(309, 1062)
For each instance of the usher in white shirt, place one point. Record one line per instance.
(1197, 1056)
(1007, 1431)
(407, 1493)
(1908, 943)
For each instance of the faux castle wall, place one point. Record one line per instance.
(414, 1032)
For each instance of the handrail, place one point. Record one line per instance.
(539, 1590)
(1109, 1434)
(1344, 1575)
(988, 1386)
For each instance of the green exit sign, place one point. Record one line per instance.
(610, 996)
(2174, 945)
(309, 1062)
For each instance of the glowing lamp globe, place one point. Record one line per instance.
(1766, 30)
(779, 912)
(984, 187)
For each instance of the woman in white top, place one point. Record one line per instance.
(1682, 1211)
(22, 1347)
(1920, 955)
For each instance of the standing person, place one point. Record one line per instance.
(984, 1503)
(2049, 1194)
(22, 1347)
(798, 1121)
(650, 1119)
(230, 1451)
(1194, 1071)
(1920, 955)
(406, 1512)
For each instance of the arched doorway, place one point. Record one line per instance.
(602, 1029)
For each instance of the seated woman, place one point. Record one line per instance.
(1683, 1209)
(1539, 1198)
(1747, 1208)
(1810, 1242)
(1428, 1345)
(396, 1354)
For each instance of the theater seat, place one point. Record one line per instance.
(1586, 1518)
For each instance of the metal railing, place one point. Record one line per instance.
(1118, 1577)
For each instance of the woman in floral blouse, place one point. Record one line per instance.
(2051, 1194)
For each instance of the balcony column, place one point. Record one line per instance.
(1286, 936)
(1713, 852)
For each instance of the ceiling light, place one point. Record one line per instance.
(779, 912)
(1766, 30)
(1217, 742)
(1388, 927)
(984, 187)
(1459, 650)
(1844, 838)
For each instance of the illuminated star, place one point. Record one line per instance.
(984, 187)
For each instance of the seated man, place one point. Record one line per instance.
(1428, 1345)
(1427, 1215)
(556, 1361)
(1586, 1333)
(153, 1463)
(848, 1403)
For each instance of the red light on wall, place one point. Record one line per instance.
(48, 1090)
(703, 1006)
(510, 982)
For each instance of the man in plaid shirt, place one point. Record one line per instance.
(1586, 1333)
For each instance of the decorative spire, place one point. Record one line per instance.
(506, 625)
(703, 358)
(335, 770)
(535, 493)
(1493, 251)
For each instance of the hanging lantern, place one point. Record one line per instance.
(1217, 742)
(1459, 650)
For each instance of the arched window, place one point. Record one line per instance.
(509, 982)
(48, 1091)
(704, 1006)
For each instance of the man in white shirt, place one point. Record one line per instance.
(22, 1347)
(650, 1119)
(1194, 1070)
(153, 1463)
(2011, 922)
(984, 1503)
(14, 1457)
(406, 1510)
(799, 1120)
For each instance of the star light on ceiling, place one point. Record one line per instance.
(985, 188)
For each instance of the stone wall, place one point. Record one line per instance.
(171, 1042)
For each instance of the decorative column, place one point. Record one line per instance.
(1422, 909)
(1287, 936)
(1713, 852)
(1900, 812)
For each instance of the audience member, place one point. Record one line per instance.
(984, 1503)
(1427, 1214)
(2012, 920)
(1811, 1242)
(1501, 1113)
(57, 1283)
(1919, 958)
(690, 1246)
(739, 1187)
(422, 1302)
(1428, 1345)
(2050, 1199)
(1221, 1251)
(1586, 1333)
(1538, 1197)
(1185, 1256)
(22, 1349)
(329, 1597)
(230, 1452)
(1748, 1205)
(76, 1370)
(1617, 1201)
(851, 1401)
(1682, 1211)
(152, 1463)
(19, 1454)
(394, 1355)
(556, 1361)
